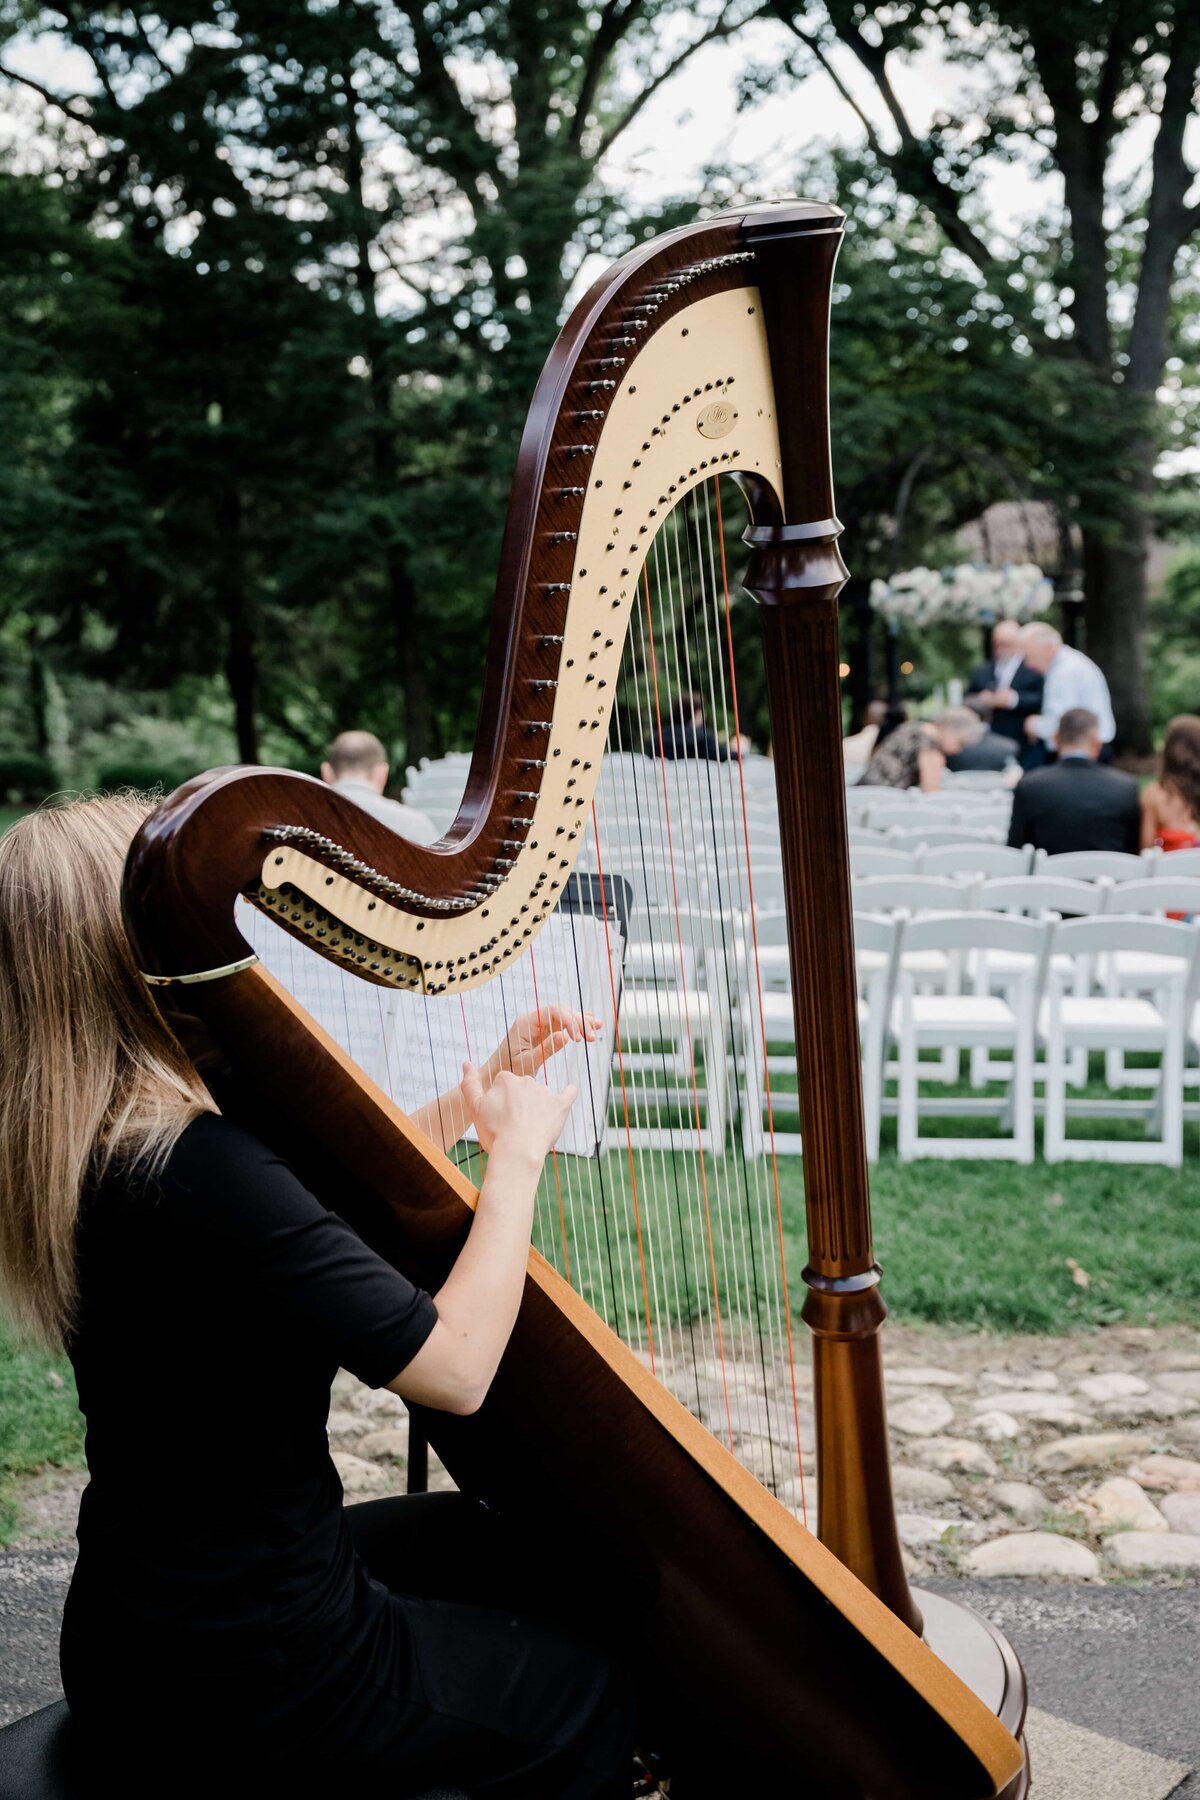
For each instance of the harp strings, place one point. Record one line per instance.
(664, 1209)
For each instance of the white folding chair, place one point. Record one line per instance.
(881, 859)
(1136, 972)
(977, 780)
(933, 968)
(931, 837)
(1087, 865)
(767, 1018)
(864, 834)
(964, 1021)
(1040, 897)
(672, 1030)
(877, 944)
(1127, 1022)
(976, 858)
(1173, 863)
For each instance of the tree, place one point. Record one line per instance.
(277, 176)
(1062, 85)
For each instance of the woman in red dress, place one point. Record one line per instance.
(1171, 805)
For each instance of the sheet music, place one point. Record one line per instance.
(414, 1045)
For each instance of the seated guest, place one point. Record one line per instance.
(684, 733)
(858, 747)
(356, 765)
(914, 754)
(1008, 684)
(1171, 805)
(992, 752)
(1076, 803)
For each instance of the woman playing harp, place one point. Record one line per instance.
(204, 1293)
(702, 356)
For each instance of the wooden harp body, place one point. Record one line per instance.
(701, 354)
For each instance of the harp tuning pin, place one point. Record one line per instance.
(571, 493)
(563, 537)
(543, 684)
(557, 587)
(591, 413)
(611, 362)
(574, 450)
(600, 387)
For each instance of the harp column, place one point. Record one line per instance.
(796, 573)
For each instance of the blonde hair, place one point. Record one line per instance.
(89, 1071)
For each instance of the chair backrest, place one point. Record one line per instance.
(977, 779)
(1086, 865)
(975, 859)
(865, 834)
(877, 933)
(1044, 894)
(1158, 894)
(1118, 931)
(881, 859)
(912, 894)
(978, 931)
(1178, 862)
(911, 837)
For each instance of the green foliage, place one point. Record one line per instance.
(40, 1422)
(1174, 644)
(25, 777)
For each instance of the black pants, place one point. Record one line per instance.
(509, 1699)
(482, 1670)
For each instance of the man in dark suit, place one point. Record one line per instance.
(1076, 803)
(1009, 687)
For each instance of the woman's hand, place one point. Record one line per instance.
(516, 1116)
(537, 1036)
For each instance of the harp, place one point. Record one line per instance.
(697, 361)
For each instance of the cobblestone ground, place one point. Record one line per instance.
(1074, 1458)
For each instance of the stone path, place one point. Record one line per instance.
(1074, 1458)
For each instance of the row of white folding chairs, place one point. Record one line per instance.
(1043, 997)
(1039, 894)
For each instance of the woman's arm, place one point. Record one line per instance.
(931, 766)
(518, 1121)
(1150, 821)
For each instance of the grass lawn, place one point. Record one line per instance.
(40, 1424)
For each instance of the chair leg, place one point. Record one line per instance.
(1054, 1122)
(907, 1125)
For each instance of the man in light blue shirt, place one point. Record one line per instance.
(1072, 680)
(356, 765)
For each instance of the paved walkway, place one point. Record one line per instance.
(1076, 1459)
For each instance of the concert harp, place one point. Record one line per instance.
(700, 356)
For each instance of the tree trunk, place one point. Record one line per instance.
(1114, 577)
(241, 650)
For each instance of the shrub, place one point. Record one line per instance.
(25, 777)
(145, 776)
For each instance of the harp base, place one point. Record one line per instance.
(981, 1656)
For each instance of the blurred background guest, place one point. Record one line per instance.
(914, 753)
(857, 748)
(992, 752)
(1072, 682)
(356, 765)
(685, 733)
(1076, 804)
(1171, 805)
(1008, 685)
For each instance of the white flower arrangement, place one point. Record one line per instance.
(969, 594)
